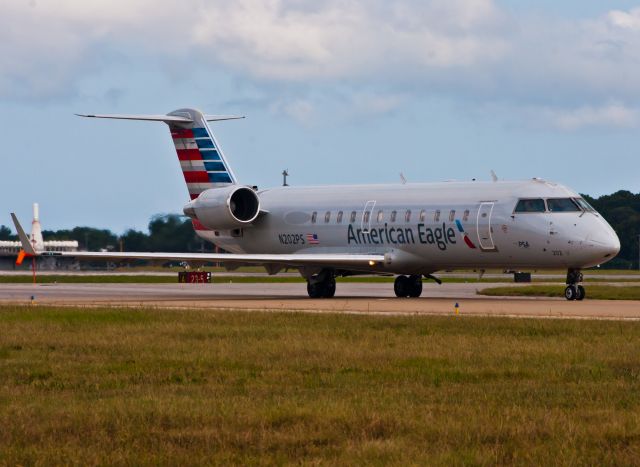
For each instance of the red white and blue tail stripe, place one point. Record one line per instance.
(201, 159)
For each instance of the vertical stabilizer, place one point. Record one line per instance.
(202, 161)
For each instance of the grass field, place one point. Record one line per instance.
(600, 292)
(145, 386)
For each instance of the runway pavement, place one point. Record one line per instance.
(374, 298)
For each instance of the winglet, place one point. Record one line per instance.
(24, 239)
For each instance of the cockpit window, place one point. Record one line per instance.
(562, 205)
(583, 204)
(530, 205)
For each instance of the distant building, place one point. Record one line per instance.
(9, 249)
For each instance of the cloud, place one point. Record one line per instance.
(611, 115)
(624, 19)
(277, 40)
(298, 109)
(48, 45)
(470, 50)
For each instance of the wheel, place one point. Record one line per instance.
(415, 286)
(329, 289)
(571, 292)
(407, 286)
(401, 286)
(581, 293)
(314, 290)
(326, 289)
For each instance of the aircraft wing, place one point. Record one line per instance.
(346, 260)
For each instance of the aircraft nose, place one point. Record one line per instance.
(604, 242)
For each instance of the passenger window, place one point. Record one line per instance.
(339, 218)
(436, 216)
(314, 217)
(394, 214)
(530, 205)
(562, 205)
(327, 217)
(365, 219)
(452, 215)
(352, 217)
(423, 215)
(465, 216)
(407, 216)
(380, 216)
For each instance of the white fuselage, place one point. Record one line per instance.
(421, 228)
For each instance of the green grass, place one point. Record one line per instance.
(600, 292)
(145, 386)
(86, 279)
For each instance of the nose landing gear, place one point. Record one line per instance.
(408, 286)
(574, 290)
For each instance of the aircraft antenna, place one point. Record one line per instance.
(285, 174)
(494, 177)
(403, 179)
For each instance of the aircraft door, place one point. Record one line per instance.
(483, 223)
(367, 214)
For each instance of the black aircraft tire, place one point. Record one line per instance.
(321, 289)
(402, 286)
(398, 287)
(314, 290)
(415, 286)
(329, 289)
(581, 293)
(571, 292)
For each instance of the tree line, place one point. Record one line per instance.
(622, 210)
(171, 232)
(175, 233)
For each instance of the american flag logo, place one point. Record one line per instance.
(312, 239)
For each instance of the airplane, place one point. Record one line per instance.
(411, 230)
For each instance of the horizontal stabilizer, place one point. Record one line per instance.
(162, 118)
(150, 118)
(218, 118)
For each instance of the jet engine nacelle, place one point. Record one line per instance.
(226, 208)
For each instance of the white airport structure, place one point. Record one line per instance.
(9, 249)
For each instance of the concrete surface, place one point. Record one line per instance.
(350, 298)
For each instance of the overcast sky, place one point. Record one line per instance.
(338, 91)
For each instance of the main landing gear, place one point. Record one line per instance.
(322, 285)
(408, 286)
(574, 290)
